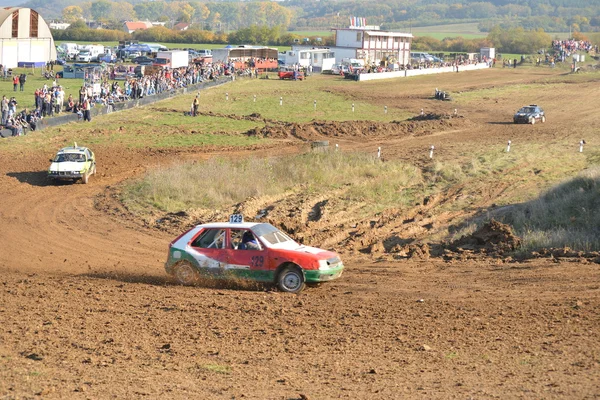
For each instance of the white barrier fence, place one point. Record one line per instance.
(424, 71)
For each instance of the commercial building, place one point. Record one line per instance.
(372, 45)
(25, 38)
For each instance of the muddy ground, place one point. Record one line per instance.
(87, 311)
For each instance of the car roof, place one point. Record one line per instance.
(72, 149)
(240, 225)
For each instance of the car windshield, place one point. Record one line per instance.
(527, 110)
(270, 234)
(70, 157)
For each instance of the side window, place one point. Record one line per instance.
(210, 239)
(236, 237)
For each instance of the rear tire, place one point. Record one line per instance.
(543, 119)
(186, 273)
(290, 280)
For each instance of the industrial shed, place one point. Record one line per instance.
(25, 38)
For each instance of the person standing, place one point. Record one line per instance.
(15, 82)
(4, 107)
(195, 105)
(87, 110)
(22, 79)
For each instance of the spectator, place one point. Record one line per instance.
(22, 79)
(4, 108)
(15, 82)
(87, 110)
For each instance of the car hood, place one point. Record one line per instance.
(68, 166)
(294, 247)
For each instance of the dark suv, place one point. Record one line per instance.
(529, 115)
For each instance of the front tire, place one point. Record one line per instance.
(186, 274)
(290, 280)
(532, 121)
(85, 178)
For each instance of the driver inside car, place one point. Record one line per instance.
(249, 242)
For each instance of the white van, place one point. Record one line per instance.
(70, 49)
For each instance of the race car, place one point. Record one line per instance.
(250, 251)
(288, 73)
(72, 163)
(529, 115)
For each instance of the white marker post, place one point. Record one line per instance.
(431, 151)
(315, 105)
(352, 107)
(508, 146)
(455, 112)
(385, 109)
(255, 98)
(226, 96)
(422, 113)
(336, 147)
(281, 101)
(581, 145)
(379, 152)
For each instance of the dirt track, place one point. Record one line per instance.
(86, 310)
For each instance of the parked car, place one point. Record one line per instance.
(249, 251)
(72, 163)
(143, 60)
(340, 69)
(288, 73)
(529, 115)
(84, 56)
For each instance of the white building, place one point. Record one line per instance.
(25, 38)
(372, 45)
(59, 25)
(320, 59)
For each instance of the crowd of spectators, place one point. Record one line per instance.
(571, 46)
(99, 91)
(426, 64)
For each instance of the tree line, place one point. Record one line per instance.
(550, 15)
(506, 40)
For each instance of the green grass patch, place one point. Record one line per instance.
(565, 215)
(321, 34)
(297, 96)
(223, 182)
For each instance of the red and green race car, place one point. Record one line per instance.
(251, 251)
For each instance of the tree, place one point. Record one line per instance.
(101, 10)
(123, 12)
(72, 13)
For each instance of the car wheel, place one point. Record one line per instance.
(290, 280)
(85, 178)
(185, 273)
(543, 119)
(94, 170)
(532, 121)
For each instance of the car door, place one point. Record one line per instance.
(246, 262)
(208, 250)
(89, 161)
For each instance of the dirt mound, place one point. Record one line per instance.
(433, 116)
(418, 126)
(492, 237)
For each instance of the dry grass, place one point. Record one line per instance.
(219, 183)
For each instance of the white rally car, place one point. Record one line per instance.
(72, 163)
(250, 251)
